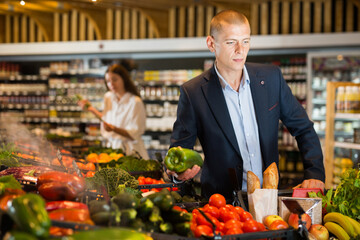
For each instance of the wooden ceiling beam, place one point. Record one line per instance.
(45, 7)
(34, 6)
(55, 6)
(356, 2)
(11, 8)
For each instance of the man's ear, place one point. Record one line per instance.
(210, 43)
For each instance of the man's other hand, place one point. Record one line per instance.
(187, 174)
(312, 183)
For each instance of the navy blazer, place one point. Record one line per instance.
(202, 113)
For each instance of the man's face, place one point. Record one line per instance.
(231, 45)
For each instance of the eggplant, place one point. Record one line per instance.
(27, 173)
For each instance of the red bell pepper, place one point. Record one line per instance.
(8, 195)
(54, 205)
(57, 191)
(71, 215)
(60, 186)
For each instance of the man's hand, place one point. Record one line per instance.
(312, 183)
(188, 174)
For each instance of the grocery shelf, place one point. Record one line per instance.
(24, 78)
(24, 106)
(349, 116)
(318, 118)
(347, 145)
(81, 74)
(319, 88)
(331, 132)
(318, 101)
(73, 120)
(35, 120)
(23, 93)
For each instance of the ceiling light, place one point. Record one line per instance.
(22, 2)
(93, 0)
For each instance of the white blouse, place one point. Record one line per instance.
(128, 113)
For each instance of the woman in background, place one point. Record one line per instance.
(123, 119)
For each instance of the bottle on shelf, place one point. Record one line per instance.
(355, 103)
(340, 99)
(348, 99)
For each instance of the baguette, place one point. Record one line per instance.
(271, 177)
(253, 182)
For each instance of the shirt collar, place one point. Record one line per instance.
(115, 99)
(224, 83)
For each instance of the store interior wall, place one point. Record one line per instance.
(40, 21)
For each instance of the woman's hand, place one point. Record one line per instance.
(108, 127)
(187, 174)
(84, 104)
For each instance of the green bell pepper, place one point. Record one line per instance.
(108, 233)
(16, 235)
(29, 214)
(179, 159)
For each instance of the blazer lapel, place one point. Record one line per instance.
(259, 94)
(216, 100)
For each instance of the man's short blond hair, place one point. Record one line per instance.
(226, 16)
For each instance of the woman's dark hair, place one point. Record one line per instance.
(124, 74)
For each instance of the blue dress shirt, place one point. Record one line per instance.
(242, 114)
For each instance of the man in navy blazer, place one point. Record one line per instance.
(208, 110)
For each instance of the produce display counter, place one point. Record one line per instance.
(285, 234)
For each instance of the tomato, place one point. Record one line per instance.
(201, 220)
(231, 215)
(148, 180)
(250, 226)
(90, 166)
(221, 227)
(238, 209)
(222, 212)
(233, 223)
(80, 165)
(195, 212)
(214, 220)
(90, 174)
(59, 232)
(184, 210)
(177, 208)
(245, 216)
(212, 210)
(141, 180)
(230, 207)
(233, 231)
(193, 226)
(203, 230)
(261, 226)
(217, 200)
